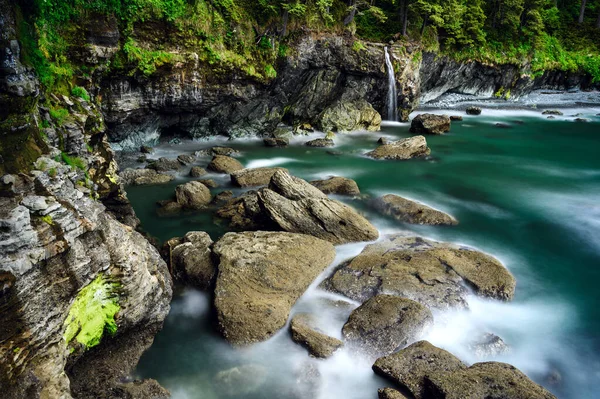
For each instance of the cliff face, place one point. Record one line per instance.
(79, 288)
(325, 82)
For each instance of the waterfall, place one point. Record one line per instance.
(392, 105)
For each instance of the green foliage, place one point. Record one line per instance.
(52, 172)
(80, 92)
(92, 313)
(73, 162)
(47, 219)
(59, 115)
(147, 61)
(358, 46)
(270, 72)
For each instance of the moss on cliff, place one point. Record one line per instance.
(92, 314)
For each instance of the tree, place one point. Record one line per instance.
(582, 11)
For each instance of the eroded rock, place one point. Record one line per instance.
(432, 273)
(412, 147)
(386, 323)
(191, 260)
(261, 275)
(193, 195)
(224, 164)
(411, 212)
(254, 176)
(337, 185)
(322, 143)
(430, 124)
(304, 332)
(140, 177)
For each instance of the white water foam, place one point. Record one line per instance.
(270, 162)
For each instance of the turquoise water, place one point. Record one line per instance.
(528, 194)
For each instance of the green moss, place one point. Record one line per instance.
(73, 162)
(92, 314)
(270, 72)
(80, 92)
(52, 172)
(358, 46)
(59, 115)
(47, 219)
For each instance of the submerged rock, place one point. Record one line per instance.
(193, 195)
(552, 112)
(197, 171)
(191, 260)
(473, 111)
(386, 323)
(337, 185)
(305, 333)
(261, 275)
(456, 118)
(210, 183)
(412, 147)
(146, 149)
(222, 198)
(165, 165)
(433, 273)
(320, 143)
(503, 125)
(276, 142)
(254, 176)
(293, 205)
(224, 164)
(581, 120)
(141, 177)
(411, 212)
(241, 380)
(430, 123)
(488, 345)
(186, 159)
(218, 150)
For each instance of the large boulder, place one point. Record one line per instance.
(224, 164)
(141, 177)
(412, 147)
(337, 185)
(473, 111)
(482, 381)
(411, 212)
(191, 260)
(193, 195)
(386, 323)
(253, 177)
(320, 143)
(410, 367)
(217, 150)
(430, 124)
(261, 275)
(197, 171)
(435, 274)
(294, 205)
(304, 332)
(347, 116)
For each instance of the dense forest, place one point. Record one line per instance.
(251, 34)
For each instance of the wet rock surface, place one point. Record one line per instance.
(193, 195)
(413, 212)
(320, 143)
(140, 177)
(304, 332)
(293, 205)
(254, 176)
(386, 323)
(412, 147)
(276, 142)
(389, 393)
(224, 164)
(473, 110)
(241, 380)
(261, 275)
(430, 124)
(337, 185)
(191, 260)
(432, 273)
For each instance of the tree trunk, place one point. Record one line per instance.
(582, 11)
(424, 25)
(404, 17)
(284, 18)
(598, 21)
(350, 17)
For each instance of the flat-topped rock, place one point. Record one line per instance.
(218, 150)
(432, 273)
(141, 177)
(320, 143)
(224, 164)
(164, 165)
(430, 124)
(413, 212)
(386, 323)
(261, 275)
(337, 185)
(552, 112)
(253, 176)
(412, 147)
(473, 111)
(304, 332)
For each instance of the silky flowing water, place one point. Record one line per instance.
(529, 194)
